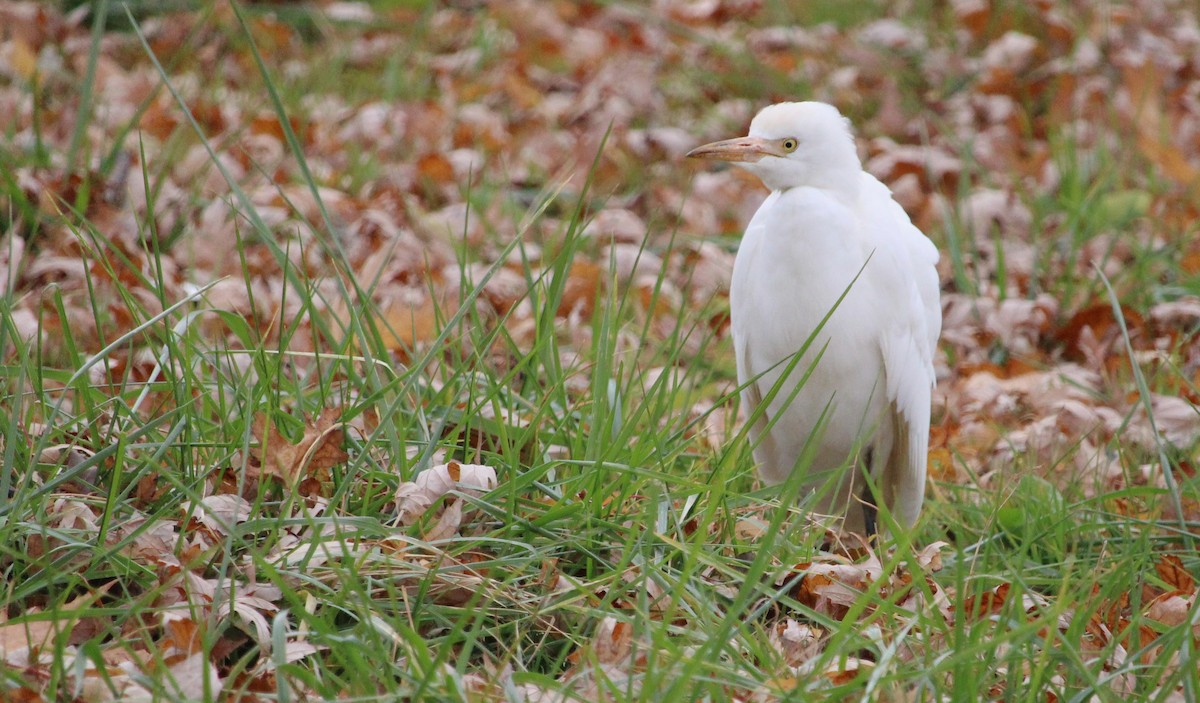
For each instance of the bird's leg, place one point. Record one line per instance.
(870, 512)
(869, 507)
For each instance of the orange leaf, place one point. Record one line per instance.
(22, 58)
(29, 634)
(1168, 158)
(436, 167)
(1101, 320)
(406, 323)
(317, 451)
(1170, 569)
(583, 280)
(986, 603)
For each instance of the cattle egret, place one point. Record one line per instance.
(830, 244)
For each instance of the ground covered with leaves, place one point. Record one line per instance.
(379, 351)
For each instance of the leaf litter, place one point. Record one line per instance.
(1033, 374)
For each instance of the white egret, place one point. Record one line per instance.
(830, 240)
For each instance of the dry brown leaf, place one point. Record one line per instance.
(414, 498)
(409, 320)
(1169, 159)
(319, 450)
(21, 59)
(38, 634)
(220, 513)
(831, 588)
(987, 603)
(936, 167)
(1102, 322)
(972, 14)
(447, 523)
(191, 676)
(796, 642)
(436, 167)
(1170, 569)
(930, 556)
(1171, 609)
(843, 672)
(612, 641)
(579, 294)
(616, 225)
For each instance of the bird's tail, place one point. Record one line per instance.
(904, 477)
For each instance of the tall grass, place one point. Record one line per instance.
(610, 507)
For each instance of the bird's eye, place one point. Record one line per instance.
(789, 145)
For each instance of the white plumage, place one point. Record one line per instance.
(830, 229)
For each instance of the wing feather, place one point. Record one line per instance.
(907, 347)
(764, 443)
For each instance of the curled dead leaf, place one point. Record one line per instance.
(796, 642)
(1170, 609)
(219, 513)
(930, 556)
(414, 498)
(319, 449)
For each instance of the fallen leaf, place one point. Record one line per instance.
(414, 498)
(1170, 569)
(319, 449)
(38, 633)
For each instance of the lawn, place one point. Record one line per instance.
(380, 351)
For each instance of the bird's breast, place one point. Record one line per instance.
(800, 260)
(801, 273)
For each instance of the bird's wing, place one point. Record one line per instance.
(752, 396)
(749, 376)
(909, 388)
(907, 346)
(924, 256)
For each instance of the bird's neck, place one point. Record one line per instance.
(843, 185)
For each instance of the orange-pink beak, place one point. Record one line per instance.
(742, 149)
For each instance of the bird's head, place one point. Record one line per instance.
(794, 144)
